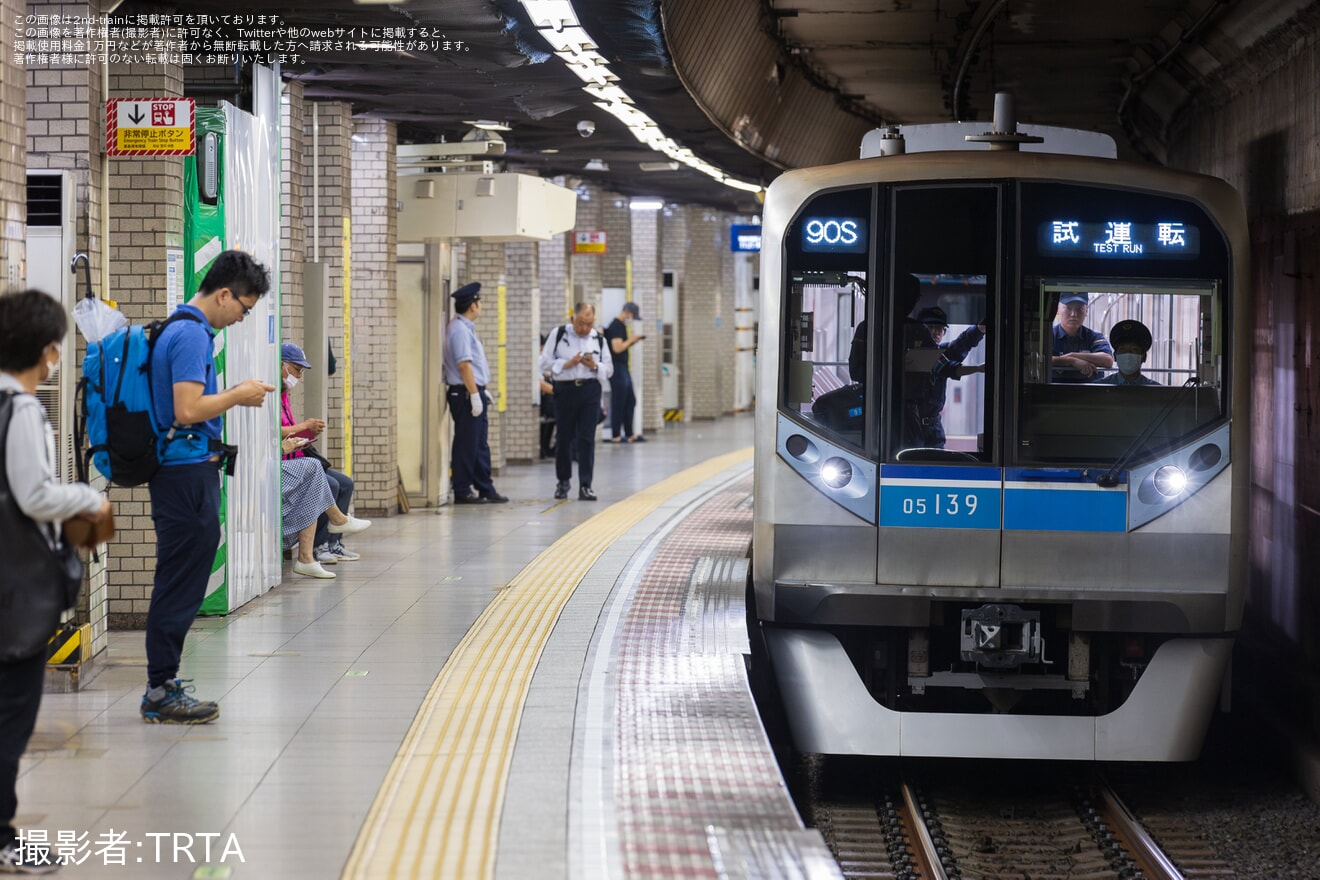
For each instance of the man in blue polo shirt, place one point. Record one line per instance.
(185, 492)
(1079, 351)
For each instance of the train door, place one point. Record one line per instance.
(941, 483)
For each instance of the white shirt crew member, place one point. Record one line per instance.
(562, 347)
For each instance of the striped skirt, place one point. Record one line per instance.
(304, 492)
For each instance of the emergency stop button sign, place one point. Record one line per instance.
(150, 126)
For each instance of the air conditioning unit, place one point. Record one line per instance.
(492, 207)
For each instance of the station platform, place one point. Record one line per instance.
(538, 689)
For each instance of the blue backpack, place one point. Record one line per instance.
(118, 419)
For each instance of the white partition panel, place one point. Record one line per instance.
(252, 187)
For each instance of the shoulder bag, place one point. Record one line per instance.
(37, 582)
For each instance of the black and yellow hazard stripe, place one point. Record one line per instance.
(673, 415)
(71, 645)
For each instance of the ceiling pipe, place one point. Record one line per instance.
(1134, 135)
(967, 56)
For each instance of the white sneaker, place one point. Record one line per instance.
(325, 555)
(352, 527)
(30, 859)
(311, 570)
(339, 551)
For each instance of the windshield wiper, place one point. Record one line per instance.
(1109, 478)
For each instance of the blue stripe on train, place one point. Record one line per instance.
(940, 472)
(1065, 510)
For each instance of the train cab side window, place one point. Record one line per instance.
(828, 248)
(827, 352)
(945, 246)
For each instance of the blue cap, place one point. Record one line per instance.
(933, 315)
(294, 354)
(1082, 298)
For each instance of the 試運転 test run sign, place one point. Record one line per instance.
(150, 126)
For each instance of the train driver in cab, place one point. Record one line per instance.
(1079, 351)
(1131, 340)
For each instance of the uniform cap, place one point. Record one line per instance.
(465, 295)
(933, 315)
(1082, 298)
(293, 353)
(632, 309)
(1130, 332)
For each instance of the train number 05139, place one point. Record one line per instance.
(942, 504)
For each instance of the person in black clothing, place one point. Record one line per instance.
(623, 401)
(924, 390)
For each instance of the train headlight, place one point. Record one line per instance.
(1170, 481)
(836, 472)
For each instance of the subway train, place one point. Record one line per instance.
(969, 540)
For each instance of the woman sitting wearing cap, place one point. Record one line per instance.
(1131, 341)
(305, 490)
(328, 548)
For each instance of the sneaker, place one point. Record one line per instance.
(495, 498)
(585, 494)
(324, 555)
(342, 553)
(311, 570)
(352, 527)
(561, 490)
(30, 858)
(175, 705)
(469, 498)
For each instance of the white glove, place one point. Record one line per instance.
(478, 407)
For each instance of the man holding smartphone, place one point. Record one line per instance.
(575, 357)
(623, 401)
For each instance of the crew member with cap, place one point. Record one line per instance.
(466, 374)
(1131, 340)
(1079, 351)
(623, 402)
(574, 356)
(923, 424)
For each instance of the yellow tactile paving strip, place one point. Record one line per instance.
(437, 813)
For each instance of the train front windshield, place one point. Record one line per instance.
(972, 322)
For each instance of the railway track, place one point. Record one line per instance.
(992, 827)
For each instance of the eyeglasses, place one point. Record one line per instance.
(247, 310)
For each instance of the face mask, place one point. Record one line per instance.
(1128, 363)
(290, 382)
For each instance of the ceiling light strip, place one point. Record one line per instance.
(557, 22)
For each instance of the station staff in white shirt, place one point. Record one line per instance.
(576, 357)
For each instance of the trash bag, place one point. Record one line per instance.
(97, 318)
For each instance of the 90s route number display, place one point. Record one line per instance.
(834, 235)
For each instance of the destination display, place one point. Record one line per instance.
(1118, 239)
(833, 235)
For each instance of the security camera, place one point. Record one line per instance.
(586, 128)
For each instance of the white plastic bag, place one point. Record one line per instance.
(97, 319)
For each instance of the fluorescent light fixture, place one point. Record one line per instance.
(596, 165)
(558, 24)
(488, 124)
(646, 204)
(658, 166)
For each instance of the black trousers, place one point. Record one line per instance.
(576, 410)
(20, 697)
(469, 459)
(185, 507)
(623, 402)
